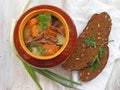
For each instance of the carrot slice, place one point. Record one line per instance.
(51, 49)
(50, 32)
(34, 31)
(49, 24)
(32, 22)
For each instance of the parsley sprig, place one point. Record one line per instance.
(44, 19)
(95, 63)
(101, 52)
(91, 42)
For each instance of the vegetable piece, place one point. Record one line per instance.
(34, 32)
(35, 51)
(39, 28)
(51, 49)
(50, 32)
(41, 50)
(90, 41)
(38, 50)
(44, 19)
(32, 22)
(30, 47)
(49, 24)
(26, 34)
(95, 63)
(61, 39)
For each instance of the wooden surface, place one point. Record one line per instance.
(12, 73)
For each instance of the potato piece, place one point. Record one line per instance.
(35, 51)
(26, 34)
(61, 39)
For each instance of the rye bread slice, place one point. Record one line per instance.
(86, 74)
(99, 25)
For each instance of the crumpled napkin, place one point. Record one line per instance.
(81, 11)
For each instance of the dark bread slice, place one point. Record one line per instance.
(86, 74)
(99, 25)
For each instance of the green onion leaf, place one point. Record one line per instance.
(27, 67)
(61, 77)
(43, 73)
(31, 72)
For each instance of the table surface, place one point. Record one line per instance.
(12, 73)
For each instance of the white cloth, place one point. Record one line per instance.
(81, 11)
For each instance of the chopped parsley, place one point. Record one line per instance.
(95, 63)
(90, 41)
(44, 19)
(31, 45)
(101, 52)
(38, 50)
(42, 50)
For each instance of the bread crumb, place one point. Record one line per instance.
(86, 28)
(71, 66)
(98, 25)
(90, 58)
(98, 71)
(109, 28)
(76, 66)
(99, 33)
(102, 39)
(82, 55)
(109, 19)
(94, 46)
(99, 38)
(83, 50)
(77, 58)
(83, 45)
(106, 16)
(88, 73)
(69, 69)
(82, 36)
(105, 39)
(80, 74)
